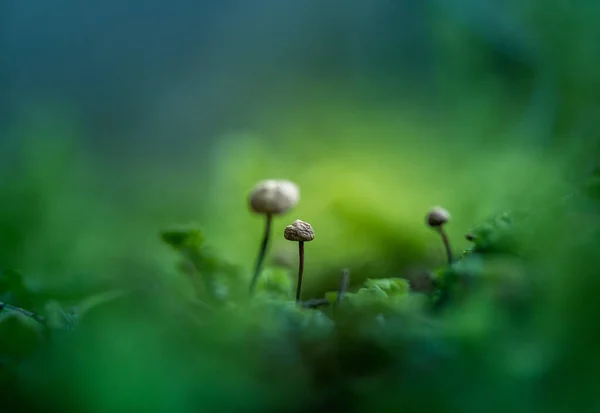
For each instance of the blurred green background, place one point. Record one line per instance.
(120, 119)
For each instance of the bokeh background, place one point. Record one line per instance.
(121, 118)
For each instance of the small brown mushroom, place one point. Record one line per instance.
(301, 232)
(436, 219)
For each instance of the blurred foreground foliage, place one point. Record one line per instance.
(510, 325)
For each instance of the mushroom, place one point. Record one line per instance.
(269, 198)
(436, 219)
(301, 232)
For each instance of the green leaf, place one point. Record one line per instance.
(275, 281)
(370, 293)
(331, 296)
(96, 300)
(391, 286)
(57, 318)
(183, 237)
(214, 279)
(497, 235)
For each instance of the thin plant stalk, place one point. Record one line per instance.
(344, 283)
(315, 303)
(26, 313)
(300, 269)
(446, 242)
(262, 253)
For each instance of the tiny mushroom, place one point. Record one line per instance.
(436, 219)
(274, 197)
(301, 232)
(269, 198)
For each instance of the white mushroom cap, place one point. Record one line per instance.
(274, 197)
(437, 217)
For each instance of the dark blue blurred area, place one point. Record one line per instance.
(146, 73)
(150, 75)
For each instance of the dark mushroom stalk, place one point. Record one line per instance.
(262, 252)
(436, 219)
(270, 198)
(301, 232)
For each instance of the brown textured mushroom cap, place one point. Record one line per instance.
(299, 231)
(437, 217)
(274, 197)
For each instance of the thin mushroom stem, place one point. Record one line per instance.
(300, 269)
(446, 242)
(300, 232)
(262, 253)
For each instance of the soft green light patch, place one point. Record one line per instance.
(365, 189)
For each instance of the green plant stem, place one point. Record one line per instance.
(35, 316)
(300, 269)
(344, 283)
(446, 242)
(315, 303)
(262, 253)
